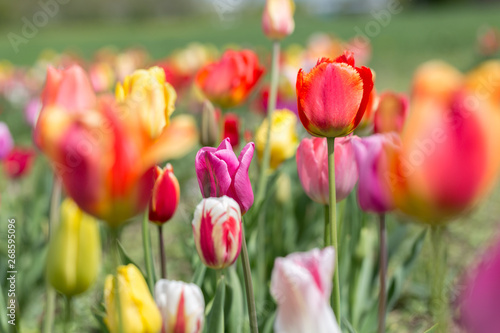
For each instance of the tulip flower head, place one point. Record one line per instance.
(301, 284)
(181, 305)
(391, 113)
(333, 96)
(229, 81)
(220, 173)
(74, 255)
(277, 19)
(217, 231)
(209, 132)
(283, 139)
(18, 162)
(312, 167)
(232, 128)
(6, 141)
(139, 311)
(166, 195)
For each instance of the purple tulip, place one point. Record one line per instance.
(220, 173)
(6, 141)
(480, 300)
(371, 157)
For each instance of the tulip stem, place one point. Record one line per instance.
(252, 313)
(439, 300)
(163, 258)
(333, 227)
(67, 321)
(327, 225)
(383, 274)
(114, 232)
(148, 257)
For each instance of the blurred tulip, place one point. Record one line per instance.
(371, 157)
(480, 300)
(217, 231)
(333, 96)
(391, 113)
(366, 122)
(139, 311)
(209, 132)
(102, 76)
(221, 173)
(488, 41)
(232, 129)
(229, 81)
(277, 19)
(166, 195)
(18, 162)
(181, 305)
(283, 140)
(153, 97)
(6, 141)
(301, 284)
(312, 167)
(32, 110)
(74, 255)
(436, 80)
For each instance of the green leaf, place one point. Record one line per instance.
(268, 327)
(432, 329)
(125, 259)
(3, 311)
(199, 274)
(216, 318)
(234, 302)
(99, 313)
(347, 326)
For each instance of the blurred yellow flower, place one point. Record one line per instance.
(74, 252)
(139, 311)
(151, 95)
(284, 140)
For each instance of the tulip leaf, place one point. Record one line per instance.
(99, 313)
(3, 311)
(268, 327)
(234, 302)
(347, 326)
(432, 329)
(199, 274)
(216, 317)
(125, 259)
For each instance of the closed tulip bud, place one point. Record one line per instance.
(232, 128)
(217, 231)
(333, 96)
(153, 97)
(391, 113)
(166, 195)
(139, 311)
(312, 167)
(277, 19)
(6, 141)
(74, 255)
(209, 133)
(220, 173)
(284, 138)
(181, 305)
(301, 284)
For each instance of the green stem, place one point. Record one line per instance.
(252, 313)
(148, 257)
(383, 274)
(163, 258)
(67, 321)
(327, 226)
(333, 227)
(439, 300)
(114, 232)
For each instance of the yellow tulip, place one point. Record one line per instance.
(138, 309)
(151, 95)
(74, 252)
(284, 140)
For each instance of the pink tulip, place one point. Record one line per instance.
(373, 188)
(391, 113)
(480, 300)
(277, 19)
(217, 231)
(301, 284)
(6, 141)
(312, 167)
(220, 173)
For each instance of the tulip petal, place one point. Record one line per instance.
(242, 186)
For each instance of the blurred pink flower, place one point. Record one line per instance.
(391, 113)
(301, 284)
(6, 141)
(18, 162)
(32, 110)
(312, 167)
(220, 173)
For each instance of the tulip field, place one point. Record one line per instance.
(261, 171)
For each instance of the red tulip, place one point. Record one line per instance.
(232, 129)
(229, 81)
(166, 195)
(333, 96)
(391, 113)
(18, 162)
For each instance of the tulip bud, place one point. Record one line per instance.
(209, 133)
(284, 138)
(391, 113)
(74, 253)
(232, 129)
(6, 141)
(166, 195)
(277, 19)
(181, 305)
(217, 231)
(148, 91)
(139, 311)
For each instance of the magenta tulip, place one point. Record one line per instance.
(6, 141)
(220, 173)
(312, 166)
